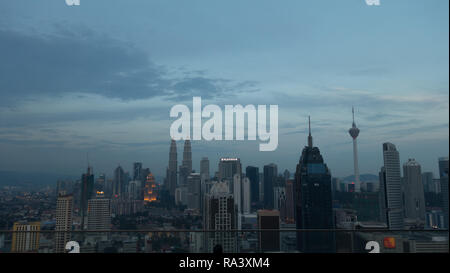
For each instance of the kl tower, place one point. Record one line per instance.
(354, 132)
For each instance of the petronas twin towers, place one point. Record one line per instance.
(185, 168)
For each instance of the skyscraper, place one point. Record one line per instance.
(228, 167)
(270, 177)
(313, 201)
(186, 166)
(99, 216)
(87, 190)
(413, 189)
(354, 132)
(187, 156)
(246, 196)
(119, 182)
(171, 175)
(63, 225)
(253, 175)
(137, 171)
(220, 214)
(193, 191)
(204, 168)
(391, 202)
(150, 194)
(269, 240)
(443, 176)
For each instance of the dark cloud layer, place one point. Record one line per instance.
(84, 62)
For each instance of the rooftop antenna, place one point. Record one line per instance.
(310, 141)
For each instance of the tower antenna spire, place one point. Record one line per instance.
(310, 142)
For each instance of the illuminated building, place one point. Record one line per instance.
(64, 210)
(99, 213)
(150, 190)
(26, 237)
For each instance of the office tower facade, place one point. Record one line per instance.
(204, 178)
(354, 132)
(427, 181)
(99, 215)
(286, 175)
(269, 240)
(413, 191)
(228, 167)
(119, 183)
(150, 191)
(134, 190)
(63, 225)
(246, 195)
(313, 201)
(289, 217)
(237, 193)
(194, 191)
(87, 191)
(443, 176)
(171, 175)
(270, 177)
(220, 214)
(26, 237)
(253, 175)
(204, 168)
(137, 171)
(391, 203)
(187, 156)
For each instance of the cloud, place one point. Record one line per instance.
(81, 61)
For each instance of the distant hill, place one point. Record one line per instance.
(31, 180)
(362, 177)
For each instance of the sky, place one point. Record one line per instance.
(101, 78)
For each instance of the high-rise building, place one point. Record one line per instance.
(26, 237)
(87, 191)
(119, 183)
(99, 213)
(427, 181)
(313, 199)
(246, 195)
(354, 132)
(204, 178)
(228, 167)
(289, 216)
(443, 176)
(137, 171)
(63, 225)
(220, 214)
(150, 191)
(413, 192)
(286, 175)
(253, 175)
(270, 177)
(194, 191)
(134, 190)
(391, 203)
(204, 168)
(269, 240)
(171, 175)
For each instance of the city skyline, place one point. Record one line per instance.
(121, 75)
